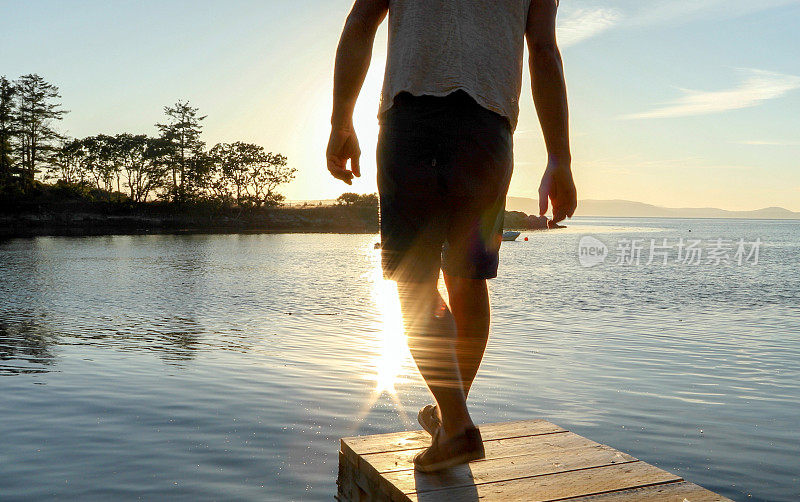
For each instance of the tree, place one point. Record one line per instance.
(357, 199)
(36, 111)
(198, 175)
(182, 132)
(7, 121)
(271, 172)
(113, 155)
(143, 160)
(98, 159)
(248, 173)
(153, 174)
(232, 163)
(68, 162)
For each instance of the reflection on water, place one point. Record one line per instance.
(24, 348)
(27, 346)
(227, 366)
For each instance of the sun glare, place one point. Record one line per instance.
(392, 347)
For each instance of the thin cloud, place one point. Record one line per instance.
(681, 11)
(757, 86)
(580, 24)
(634, 163)
(758, 142)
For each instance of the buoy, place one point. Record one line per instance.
(526, 238)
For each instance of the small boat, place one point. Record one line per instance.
(510, 235)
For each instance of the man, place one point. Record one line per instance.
(448, 110)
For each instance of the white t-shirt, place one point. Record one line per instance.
(439, 46)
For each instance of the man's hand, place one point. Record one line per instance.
(343, 145)
(558, 186)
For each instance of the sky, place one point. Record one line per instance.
(672, 102)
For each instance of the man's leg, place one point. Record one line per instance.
(431, 332)
(469, 303)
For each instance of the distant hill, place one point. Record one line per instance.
(627, 208)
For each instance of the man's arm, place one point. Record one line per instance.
(550, 98)
(352, 62)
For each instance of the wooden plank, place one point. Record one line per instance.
(504, 469)
(417, 439)
(355, 485)
(352, 447)
(346, 481)
(671, 492)
(557, 486)
(526, 445)
(529, 460)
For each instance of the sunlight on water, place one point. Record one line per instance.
(392, 347)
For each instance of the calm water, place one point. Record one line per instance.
(227, 366)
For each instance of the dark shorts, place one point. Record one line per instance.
(444, 164)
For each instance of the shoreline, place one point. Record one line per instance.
(78, 219)
(185, 221)
(111, 220)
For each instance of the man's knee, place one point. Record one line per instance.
(467, 284)
(423, 310)
(414, 296)
(465, 289)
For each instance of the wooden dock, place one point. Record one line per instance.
(532, 460)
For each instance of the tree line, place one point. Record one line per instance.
(174, 165)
